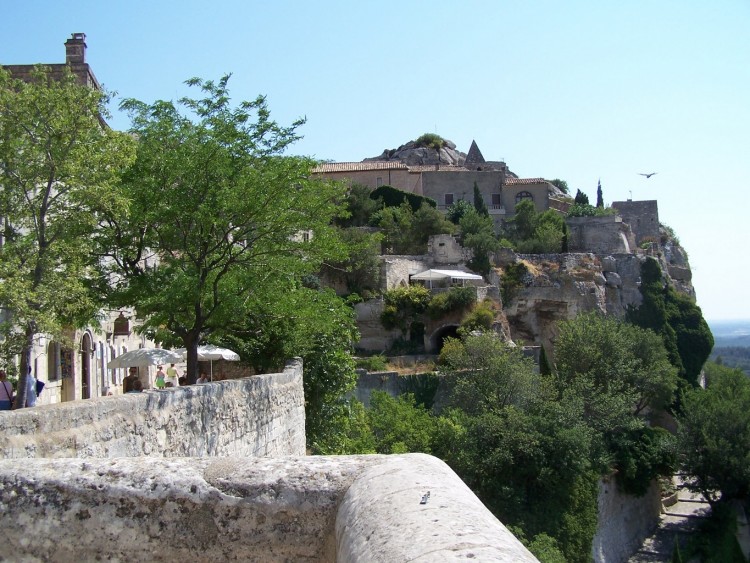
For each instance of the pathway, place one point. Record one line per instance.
(676, 524)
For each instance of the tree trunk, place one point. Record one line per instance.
(191, 341)
(23, 376)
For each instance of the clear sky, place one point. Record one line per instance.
(575, 90)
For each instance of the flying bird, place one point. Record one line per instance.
(647, 175)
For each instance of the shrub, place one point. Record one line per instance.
(512, 280)
(373, 363)
(393, 197)
(430, 141)
(481, 318)
(456, 299)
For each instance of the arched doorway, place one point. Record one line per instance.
(438, 337)
(86, 348)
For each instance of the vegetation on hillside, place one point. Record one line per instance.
(532, 446)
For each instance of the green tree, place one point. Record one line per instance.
(581, 198)
(407, 232)
(479, 204)
(58, 169)
(676, 318)
(361, 270)
(478, 234)
(400, 425)
(619, 373)
(404, 306)
(456, 211)
(623, 366)
(486, 375)
(360, 207)
(599, 196)
(217, 215)
(714, 435)
(316, 325)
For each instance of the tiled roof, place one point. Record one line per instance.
(357, 166)
(435, 168)
(515, 181)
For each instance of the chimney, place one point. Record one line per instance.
(75, 49)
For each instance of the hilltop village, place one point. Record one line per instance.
(600, 269)
(202, 231)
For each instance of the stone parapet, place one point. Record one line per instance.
(263, 415)
(339, 508)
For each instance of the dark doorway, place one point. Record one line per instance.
(438, 339)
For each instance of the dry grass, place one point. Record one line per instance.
(409, 367)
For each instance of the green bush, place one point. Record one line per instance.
(586, 210)
(373, 363)
(512, 280)
(456, 299)
(403, 305)
(480, 318)
(393, 197)
(430, 141)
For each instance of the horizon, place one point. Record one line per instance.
(582, 92)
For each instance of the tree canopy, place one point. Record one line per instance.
(217, 216)
(59, 165)
(714, 432)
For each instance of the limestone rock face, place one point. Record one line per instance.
(562, 286)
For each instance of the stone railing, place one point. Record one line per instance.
(262, 415)
(329, 509)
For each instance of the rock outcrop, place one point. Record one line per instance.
(413, 154)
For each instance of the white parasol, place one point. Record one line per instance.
(209, 353)
(143, 357)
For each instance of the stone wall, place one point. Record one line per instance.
(342, 508)
(642, 216)
(624, 521)
(600, 235)
(262, 415)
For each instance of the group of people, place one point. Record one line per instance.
(7, 396)
(169, 379)
(164, 378)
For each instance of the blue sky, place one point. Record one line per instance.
(573, 90)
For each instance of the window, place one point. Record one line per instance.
(53, 361)
(448, 199)
(497, 202)
(379, 181)
(524, 195)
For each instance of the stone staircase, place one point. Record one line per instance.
(681, 515)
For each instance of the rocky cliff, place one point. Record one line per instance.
(558, 287)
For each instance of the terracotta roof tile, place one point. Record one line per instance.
(515, 181)
(328, 167)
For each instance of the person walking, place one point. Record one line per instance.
(160, 376)
(173, 376)
(6, 392)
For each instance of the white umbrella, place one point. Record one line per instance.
(209, 353)
(143, 357)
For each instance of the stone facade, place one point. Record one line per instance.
(642, 216)
(262, 416)
(601, 235)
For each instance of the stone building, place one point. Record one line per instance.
(447, 184)
(642, 216)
